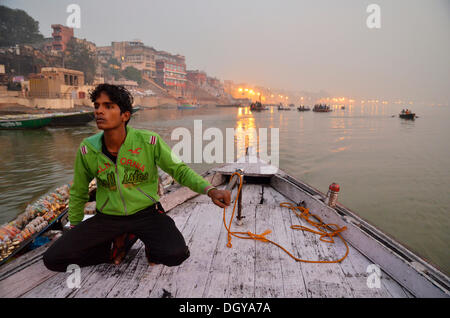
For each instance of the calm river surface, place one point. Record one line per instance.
(394, 173)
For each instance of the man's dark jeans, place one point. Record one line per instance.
(89, 243)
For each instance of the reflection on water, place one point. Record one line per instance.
(393, 172)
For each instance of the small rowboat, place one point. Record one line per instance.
(407, 116)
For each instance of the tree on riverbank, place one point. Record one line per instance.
(78, 57)
(17, 27)
(133, 74)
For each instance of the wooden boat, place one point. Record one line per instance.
(407, 116)
(71, 119)
(376, 265)
(303, 108)
(40, 216)
(24, 121)
(322, 108)
(283, 108)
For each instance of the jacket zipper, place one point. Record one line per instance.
(104, 204)
(147, 195)
(117, 178)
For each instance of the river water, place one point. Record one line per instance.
(394, 173)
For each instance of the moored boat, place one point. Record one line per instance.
(71, 119)
(187, 106)
(136, 109)
(24, 121)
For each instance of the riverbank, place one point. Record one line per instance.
(18, 109)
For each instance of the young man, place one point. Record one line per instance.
(124, 162)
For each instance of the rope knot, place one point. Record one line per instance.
(260, 237)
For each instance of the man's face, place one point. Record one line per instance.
(107, 114)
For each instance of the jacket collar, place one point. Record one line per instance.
(95, 142)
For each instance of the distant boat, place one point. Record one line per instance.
(230, 105)
(24, 121)
(187, 106)
(136, 109)
(71, 119)
(280, 107)
(321, 108)
(407, 115)
(257, 106)
(303, 108)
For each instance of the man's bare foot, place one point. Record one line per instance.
(121, 246)
(147, 255)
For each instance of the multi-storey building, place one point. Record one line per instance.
(104, 53)
(61, 36)
(214, 82)
(197, 77)
(137, 55)
(171, 71)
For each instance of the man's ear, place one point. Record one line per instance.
(126, 116)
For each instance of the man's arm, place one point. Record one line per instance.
(182, 173)
(79, 191)
(186, 176)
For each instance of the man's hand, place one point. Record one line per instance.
(220, 198)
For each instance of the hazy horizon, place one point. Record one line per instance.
(293, 45)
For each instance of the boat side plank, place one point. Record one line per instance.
(394, 265)
(25, 280)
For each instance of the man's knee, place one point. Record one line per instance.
(51, 262)
(175, 258)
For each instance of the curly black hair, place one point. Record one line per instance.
(117, 94)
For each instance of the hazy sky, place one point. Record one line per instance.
(297, 45)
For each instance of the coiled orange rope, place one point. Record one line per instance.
(326, 231)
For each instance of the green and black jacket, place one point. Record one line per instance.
(131, 184)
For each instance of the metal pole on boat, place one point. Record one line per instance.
(231, 184)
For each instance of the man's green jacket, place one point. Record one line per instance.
(131, 184)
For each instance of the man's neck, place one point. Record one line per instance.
(114, 138)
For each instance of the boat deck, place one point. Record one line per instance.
(248, 269)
